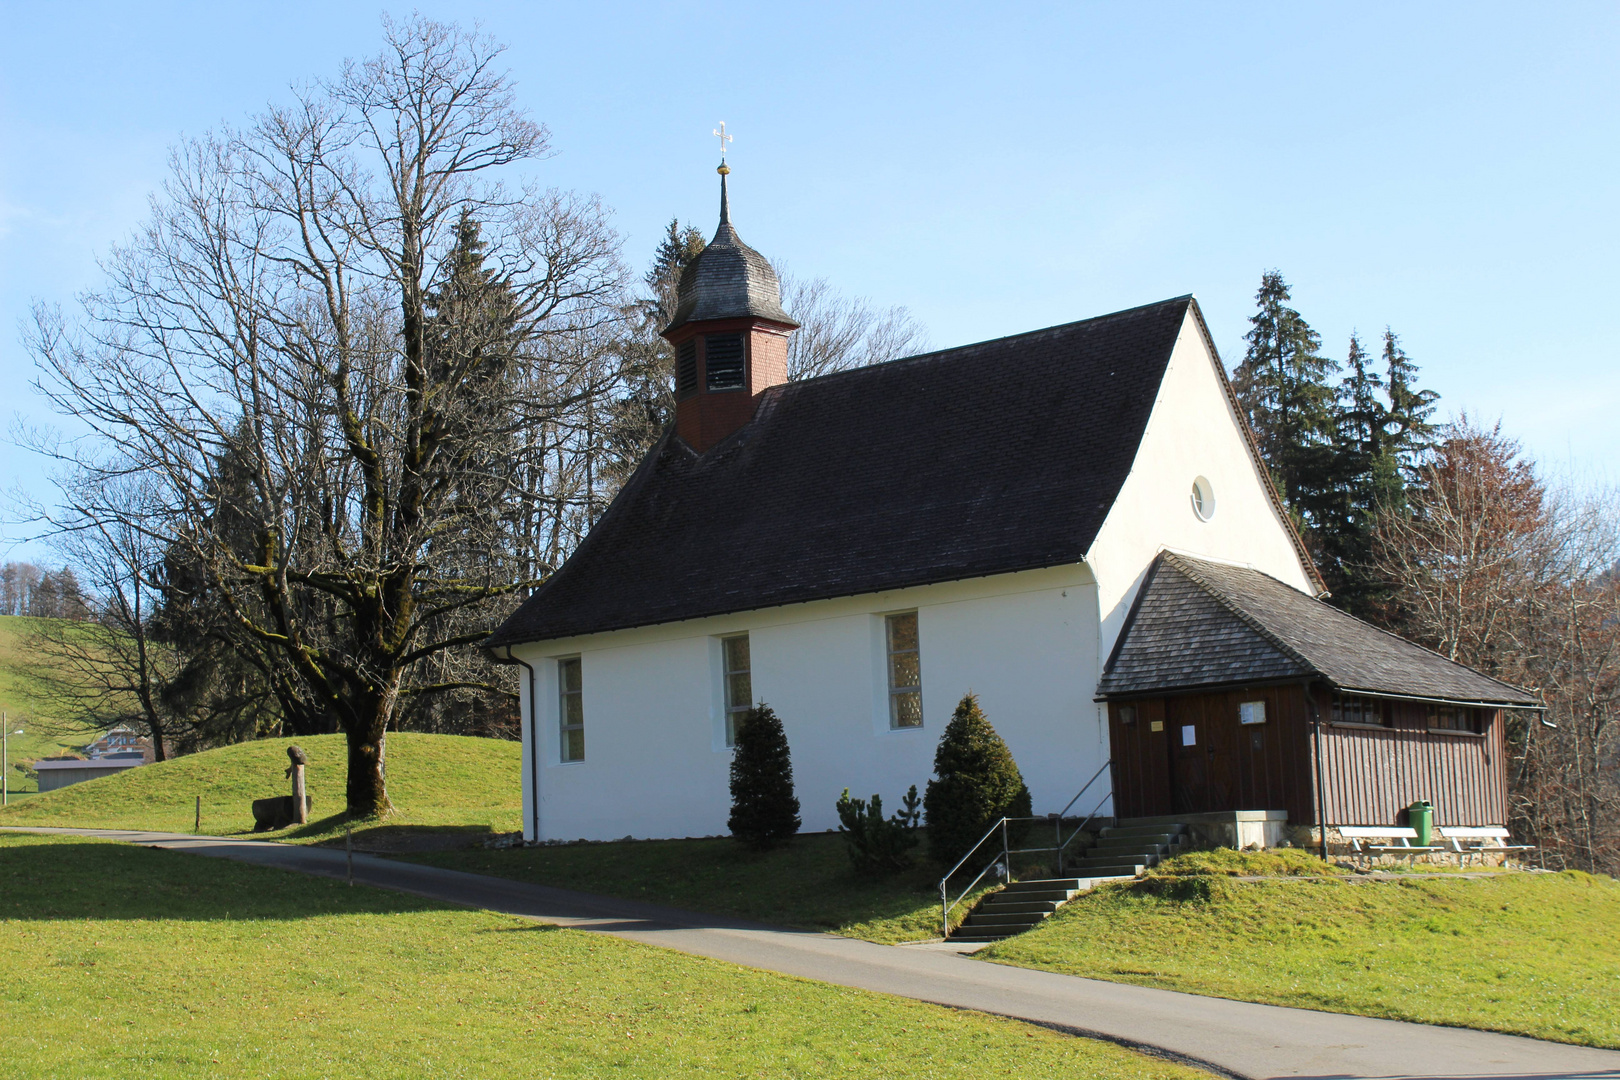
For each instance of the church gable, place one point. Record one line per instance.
(986, 459)
(1197, 485)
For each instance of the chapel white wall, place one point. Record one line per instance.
(655, 761)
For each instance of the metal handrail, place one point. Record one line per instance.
(1005, 865)
(947, 905)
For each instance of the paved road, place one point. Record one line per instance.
(1231, 1037)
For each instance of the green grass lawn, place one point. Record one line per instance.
(807, 884)
(434, 781)
(1528, 953)
(125, 961)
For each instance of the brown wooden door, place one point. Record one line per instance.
(1203, 753)
(1189, 755)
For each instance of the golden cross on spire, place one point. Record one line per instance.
(720, 133)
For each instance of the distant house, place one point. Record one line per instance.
(121, 743)
(64, 773)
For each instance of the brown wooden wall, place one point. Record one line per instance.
(1369, 775)
(1230, 766)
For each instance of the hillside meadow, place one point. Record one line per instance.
(447, 782)
(29, 702)
(1528, 953)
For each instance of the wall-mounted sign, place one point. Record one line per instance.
(1189, 735)
(1157, 725)
(1252, 712)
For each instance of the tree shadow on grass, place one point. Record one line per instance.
(380, 836)
(71, 878)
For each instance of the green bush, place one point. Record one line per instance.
(764, 810)
(976, 783)
(878, 845)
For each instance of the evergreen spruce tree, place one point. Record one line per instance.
(1408, 433)
(648, 402)
(1379, 443)
(1345, 512)
(976, 783)
(1283, 385)
(764, 810)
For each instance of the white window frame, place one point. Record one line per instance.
(733, 711)
(895, 692)
(564, 728)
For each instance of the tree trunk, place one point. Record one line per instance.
(367, 788)
(367, 735)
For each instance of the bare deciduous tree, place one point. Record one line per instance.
(839, 332)
(1494, 570)
(346, 358)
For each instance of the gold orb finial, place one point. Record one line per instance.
(724, 169)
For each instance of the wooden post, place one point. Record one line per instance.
(300, 805)
(348, 848)
(197, 828)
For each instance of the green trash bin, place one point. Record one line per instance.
(1420, 817)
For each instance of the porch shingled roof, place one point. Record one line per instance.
(1197, 623)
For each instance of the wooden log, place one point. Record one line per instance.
(300, 801)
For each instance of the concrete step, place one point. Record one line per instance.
(1110, 870)
(1145, 839)
(1111, 858)
(1057, 895)
(1143, 830)
(1041, 885)
(968, 935)
(1025, 920)
(1017, 903)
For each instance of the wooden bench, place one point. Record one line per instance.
(1480, 840)
(1401, 845)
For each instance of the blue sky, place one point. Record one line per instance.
(1447, 169)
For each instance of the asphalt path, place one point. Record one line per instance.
(1232, 1038)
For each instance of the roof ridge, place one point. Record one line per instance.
(936, 353)
(1244, 617)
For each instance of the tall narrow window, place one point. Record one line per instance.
(905, 672)
(739, 684)
(686, 369)
(723, 361)
(571, 709)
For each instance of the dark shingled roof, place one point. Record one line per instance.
(728, 280)
(1197, 623)
(985, 459)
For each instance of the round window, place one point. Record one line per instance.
(1203, 499)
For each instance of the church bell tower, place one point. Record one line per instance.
(729, 333)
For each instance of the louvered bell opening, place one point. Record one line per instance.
(686, 369)
(723, 361)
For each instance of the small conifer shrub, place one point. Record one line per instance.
(879, 845)
(764, 810)
(976, 782)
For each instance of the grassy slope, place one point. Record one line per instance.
(1531, 954)
(808, 883)
(433, 780)
(27, 703)
(126, 961)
